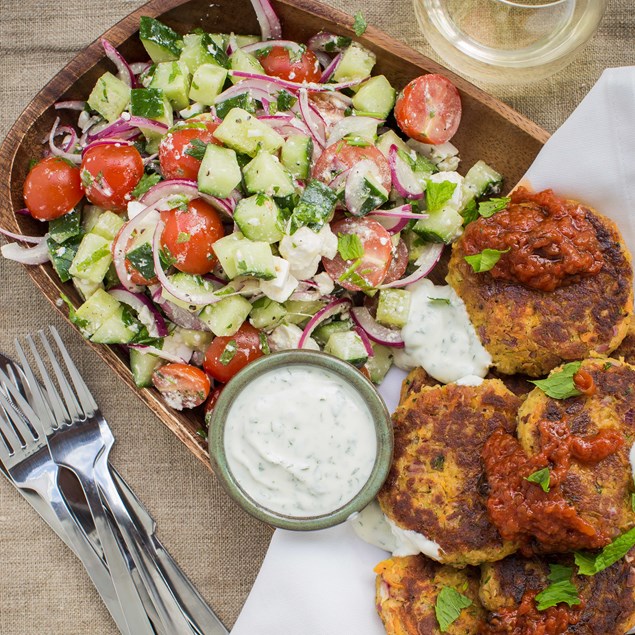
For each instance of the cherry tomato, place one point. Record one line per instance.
(109, 173)
(340, 156)
(398, 264)
(225, 356)
(374, 263)
(280, 62)
(429, 109)
(210, 404)
(52, 188)
(175, 161)
(182, 385)
(189, 235)
(135, 276)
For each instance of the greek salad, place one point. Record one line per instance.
(236, 195)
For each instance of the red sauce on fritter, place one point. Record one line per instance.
(526, 619)
(521, 510)
(550, 241)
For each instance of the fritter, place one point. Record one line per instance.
(608, 597)
(626, 350)
(407, 590)
(530, 331)
(436, 485)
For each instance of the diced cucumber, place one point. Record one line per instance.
(200, 48)
(90, 214)
(110, 97)
(315, 207)
(189, 284)
(445, 155)
(142, 366)
(347, 345)
(151, 103)
(258, 218)
(219, 173)
(243, 40)
(226, 317)
(244, 101)
(246, 134)
(442, 226)
(115, 330)
(173, 78)
(481, 180)
(239, 256)
(379, 364)
(95, 311)
(92, 259)
(160, 41)
(241, 61)
(375, 96)
(207, 83)
(323, 332)
(86, 288)
(390, 138)
(357, 63)
(416, 245)
(65, 227)
(296, 155)
(266, 314)
(62, 255)
(393, 307)
(220, 39)
(107, 225)
(301, 311)
(266, 174)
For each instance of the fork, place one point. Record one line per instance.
(75, 439)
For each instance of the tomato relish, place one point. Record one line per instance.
(548, 241)
(539, 520)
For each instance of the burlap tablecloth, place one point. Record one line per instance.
(43, 588)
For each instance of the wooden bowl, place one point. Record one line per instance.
(490, 130)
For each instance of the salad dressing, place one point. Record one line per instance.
(300, 441)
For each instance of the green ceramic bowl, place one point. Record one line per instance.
(370, 396)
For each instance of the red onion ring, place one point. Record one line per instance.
(330, 69)
(124, 72)
(180, 316)
(311, 86)
(261, 88)
(106, 142)
(319, 42)
(287, 44)
(425, 264)
(314, 122)
(403, 211)
(34, 240)
(37, 255)
(152, 320)
(189, 190)
(58, 152)
(403, 177)
(335, 307)
(71, 104)
(375, 331)
(365, 340)
(270, 26)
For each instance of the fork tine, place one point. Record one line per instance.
(11, 424)
(72, 405)
(29, 416)
(83, 393)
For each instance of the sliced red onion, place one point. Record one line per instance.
(270, 26)
(170, 357)
(23, 212)
(71, 104)
(378, 333)
(34, 240)
(125, 127)
(146, 311)
(151, 158)
(339, 180)
(425, 264)
(328, 42)
(323, 58)
(180, 316)
(403, 211)
(403, 178)
(106, 142)
(260, 88)
(37, 255)
(58, 152)
(350, 125)
(314, 122)
(337, 306)
(287, 44)
(330, 69)
(286, 124)
(140, 67)
(188, 189)
(392, 224)
(365, 341)
(311, 86)
(124, 72)
(355, 189)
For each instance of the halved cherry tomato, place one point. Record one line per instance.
(429, 109)
(280, 62)
(109, 174)
(189, 236)
(340, 156)
(52, 188)
(175, 161)
(135, 276)
(210, 404)
(398, 264)
(182, 385)
(225, 356)
(370, 270)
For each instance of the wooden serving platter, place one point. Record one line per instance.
(489, 130)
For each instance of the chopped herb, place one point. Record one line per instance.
(338, 43)
(86, 178)
(295, 55)
(228, 354)
(350, 246)
(485, 260)
(263, 52)
(284, 101)
(261, 199)
(183, 237)
(560, 385)
(607, 365)
(264, 343)
(32, 163)
(590, 564)
(560, 590)
(437, 463)
(542, 478)
(360, 25)
(147, 181)
(353, 277)
(469, 213)
(141, 259)
(439, 301)
(438, 194)
(489, 208)
(196, 149)
(357, 141)
(448, 606)
(95, 257)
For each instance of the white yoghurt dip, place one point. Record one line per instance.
(410, 543)
(440, 337)
(300, 441)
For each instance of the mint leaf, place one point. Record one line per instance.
(541, 477)
(147, 181)
(589, 564)
(350, 246)
(469, 213)
(438, 194)
(448, 606)
(360, 25)
(489, 208)
(560, 385)
(486, 260)
(560, 590)
(228, 354)
(196, 149)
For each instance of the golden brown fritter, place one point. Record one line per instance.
(626, 350)
(415, 381)
(407, 590)
(530, 331)
(436, 485)
(608, 597)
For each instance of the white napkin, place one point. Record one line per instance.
(321, 583)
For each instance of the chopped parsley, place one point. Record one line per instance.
(147, 181)
(284, 101)
(360, 25)
(264, 343)
(485, 260)
(196, 149)
(590, 564)
(228, 353)
(351, 275)
(439, 301)
(489, 208)
(183, 237)
(295, 55)
(560, 590)
(350, 246)
(448, 607)
(541, 477)
(469, 213)
(560, 385)
(438, 194)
